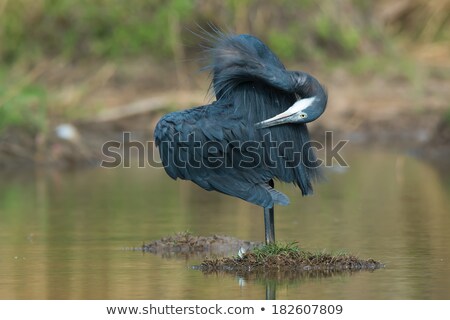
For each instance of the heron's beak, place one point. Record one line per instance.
(285, 117)
(291, 115)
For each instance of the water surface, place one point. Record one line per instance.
(62, 235)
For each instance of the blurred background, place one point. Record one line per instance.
(75, 74)
(386, 64)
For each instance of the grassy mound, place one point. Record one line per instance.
(287, 257)
(256, 258)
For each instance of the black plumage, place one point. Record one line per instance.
(220, 146)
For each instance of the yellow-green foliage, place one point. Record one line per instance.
(23, 105)
(296, 29)
(76, 29)
(92, 28)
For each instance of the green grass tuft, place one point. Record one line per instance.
(274, 249)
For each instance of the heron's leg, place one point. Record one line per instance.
(269, 225)
(271, 290)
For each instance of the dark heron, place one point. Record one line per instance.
(253, 133)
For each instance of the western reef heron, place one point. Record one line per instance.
(254, 132)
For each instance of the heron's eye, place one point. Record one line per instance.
(303, 115)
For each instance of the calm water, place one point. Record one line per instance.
(62, 235)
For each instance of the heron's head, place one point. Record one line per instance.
(302, 111)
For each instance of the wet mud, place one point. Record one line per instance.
(187, 244)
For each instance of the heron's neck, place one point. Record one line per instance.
(307, 86)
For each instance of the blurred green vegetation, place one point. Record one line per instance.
(87, 29)
(22, 104)
(27, 108)
(77, 29)
(325, 33)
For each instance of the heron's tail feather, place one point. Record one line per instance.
(277, 196)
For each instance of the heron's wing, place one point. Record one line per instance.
(205, 145)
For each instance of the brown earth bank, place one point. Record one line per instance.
(365, 110)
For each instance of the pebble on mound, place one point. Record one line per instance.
(287, 257)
